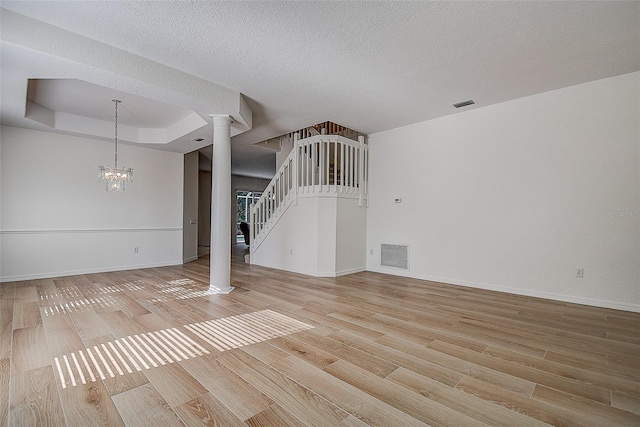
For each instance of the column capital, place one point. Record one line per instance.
(221, 118)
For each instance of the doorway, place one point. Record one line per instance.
(244, 201)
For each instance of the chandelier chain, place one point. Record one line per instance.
(116, 101)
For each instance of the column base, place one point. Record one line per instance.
(224, 291)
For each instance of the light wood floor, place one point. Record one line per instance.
(151, 347)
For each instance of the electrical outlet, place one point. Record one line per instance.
(135, 250)
(580, 272)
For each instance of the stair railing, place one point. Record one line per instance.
(318, 166)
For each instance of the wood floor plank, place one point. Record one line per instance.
(434, 333)
(243, 400)
(6, 326)
(34, 399)
(5, 369)
(206, 410)
(265, 352)
(165, 312)
(355, 401)
(352, 421)
(515, 402)
(521, 336)
(89, 325)
(426, 410)
(205, 308)
(8, 292)
(382, 329)
(460, 401)
(25, 292)
(625, 402)
(401, 358)
(460, 367)
(89, 403)
(310, 407)
(373, 364)
(144, 406)
(62, 336)
(120, 324)
(309, 353)
(29, 349)
(153, 322)
(608, 380)
(114, 382)
(335, 322)
(599, 413)
(274, 416)
(175, 384)
(593, 392)
(26, 314)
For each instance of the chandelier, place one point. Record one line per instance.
(115, 178)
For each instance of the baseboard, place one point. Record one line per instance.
(51, 275)
(310, 272)
(190, 259)
(282, 267)
(516, 291)
(350, 271)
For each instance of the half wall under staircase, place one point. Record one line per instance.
(311, 218)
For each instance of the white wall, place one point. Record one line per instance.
(351, 229)
(204, 208)
(516, 196)
(322, 236)
(190, 207)
(292, 245)
(57, 219)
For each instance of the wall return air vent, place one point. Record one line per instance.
(396, 256)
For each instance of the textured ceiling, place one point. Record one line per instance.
(370, 66)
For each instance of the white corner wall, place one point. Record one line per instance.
(56, 219)
(292, 245)
(351, 236)
(516, 196)
(190, 206)
(322, 236)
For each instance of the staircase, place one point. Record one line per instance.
(326, 171)
(324, 128)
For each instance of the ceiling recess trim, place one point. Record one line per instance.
(117, 69)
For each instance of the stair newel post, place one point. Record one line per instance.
(295, 168)
(361, 170)
(252, 222)
(342, 168)
(335, 165)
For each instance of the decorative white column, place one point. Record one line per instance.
(220, 253)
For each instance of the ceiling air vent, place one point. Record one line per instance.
(464, 103)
